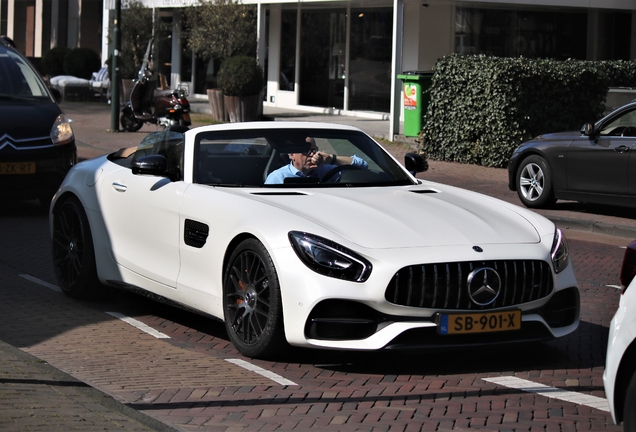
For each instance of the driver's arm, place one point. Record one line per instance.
(333, 159)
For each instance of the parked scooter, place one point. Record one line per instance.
(149, 104)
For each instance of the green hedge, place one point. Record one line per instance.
(483, 107)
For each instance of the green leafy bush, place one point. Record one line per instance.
(82, 62)
(53, 61)
(240, 76)
(483, 107)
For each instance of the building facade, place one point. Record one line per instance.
(343, 56)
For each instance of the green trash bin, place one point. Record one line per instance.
(416, 99)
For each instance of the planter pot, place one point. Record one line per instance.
(243, 108)
(217, 106)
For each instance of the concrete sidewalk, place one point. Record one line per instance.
(35, 396)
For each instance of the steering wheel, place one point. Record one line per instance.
(332, 172)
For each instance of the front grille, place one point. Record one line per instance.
(445, 285)
(8, 143)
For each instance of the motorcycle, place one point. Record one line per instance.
(149, 104)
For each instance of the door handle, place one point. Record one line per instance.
(119, 187)
(621, 149)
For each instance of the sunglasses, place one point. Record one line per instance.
(312, 151)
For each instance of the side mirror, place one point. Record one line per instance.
(588, 129)
(415, 163)
(155, 165)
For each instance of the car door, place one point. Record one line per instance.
(141, 214)
(600, 164)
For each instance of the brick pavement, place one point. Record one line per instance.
(341, 391)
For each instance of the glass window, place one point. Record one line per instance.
(533, 34)
(623, 125)
(287, 76)
(17, 78)
(248, 157)
(322, 62)
(370, 59)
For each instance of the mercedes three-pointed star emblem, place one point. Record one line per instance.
(484, 285)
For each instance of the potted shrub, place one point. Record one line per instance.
(217, 30)
(241, 80)
(82, 62)
(53, 61)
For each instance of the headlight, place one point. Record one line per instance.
(61, 132)
(560, 253)
(328, 258)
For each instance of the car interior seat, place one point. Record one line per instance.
(276, 160)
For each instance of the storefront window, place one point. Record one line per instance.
(532, 34)
(288, 51)
(370, 59)
(323, 62)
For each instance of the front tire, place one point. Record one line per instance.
(629, 414)
(534, 183)
(129, 122)
(73, 252)
(252, 302)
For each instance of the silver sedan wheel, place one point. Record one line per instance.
(531, 182)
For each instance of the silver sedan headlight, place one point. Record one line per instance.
(329, 258)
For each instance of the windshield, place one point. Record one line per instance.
(294, 157)
(17, 77)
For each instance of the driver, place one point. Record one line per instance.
(313, 163)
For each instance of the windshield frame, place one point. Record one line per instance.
(280, 141)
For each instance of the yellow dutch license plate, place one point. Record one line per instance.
(17, 168)
(479, 322)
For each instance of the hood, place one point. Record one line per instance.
(419, 216)
(23, 119)
(568, 135)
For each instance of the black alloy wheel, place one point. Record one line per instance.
(73, 252)
(629, 413)
(252, 302)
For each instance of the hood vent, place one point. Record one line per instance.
(282, 193)
(425, 191)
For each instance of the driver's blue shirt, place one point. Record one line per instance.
(278, 176)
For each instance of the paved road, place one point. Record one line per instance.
(179, 369)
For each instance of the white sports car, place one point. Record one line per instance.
(352, 252)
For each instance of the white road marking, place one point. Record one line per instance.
(147, 329)
(40, 282)
(267, 374)
(138, 324)
(614, 286)
(551, 392)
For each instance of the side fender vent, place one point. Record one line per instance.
(195, 233)
(425, 191)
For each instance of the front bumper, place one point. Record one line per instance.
(324, 312)
(51, 165)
